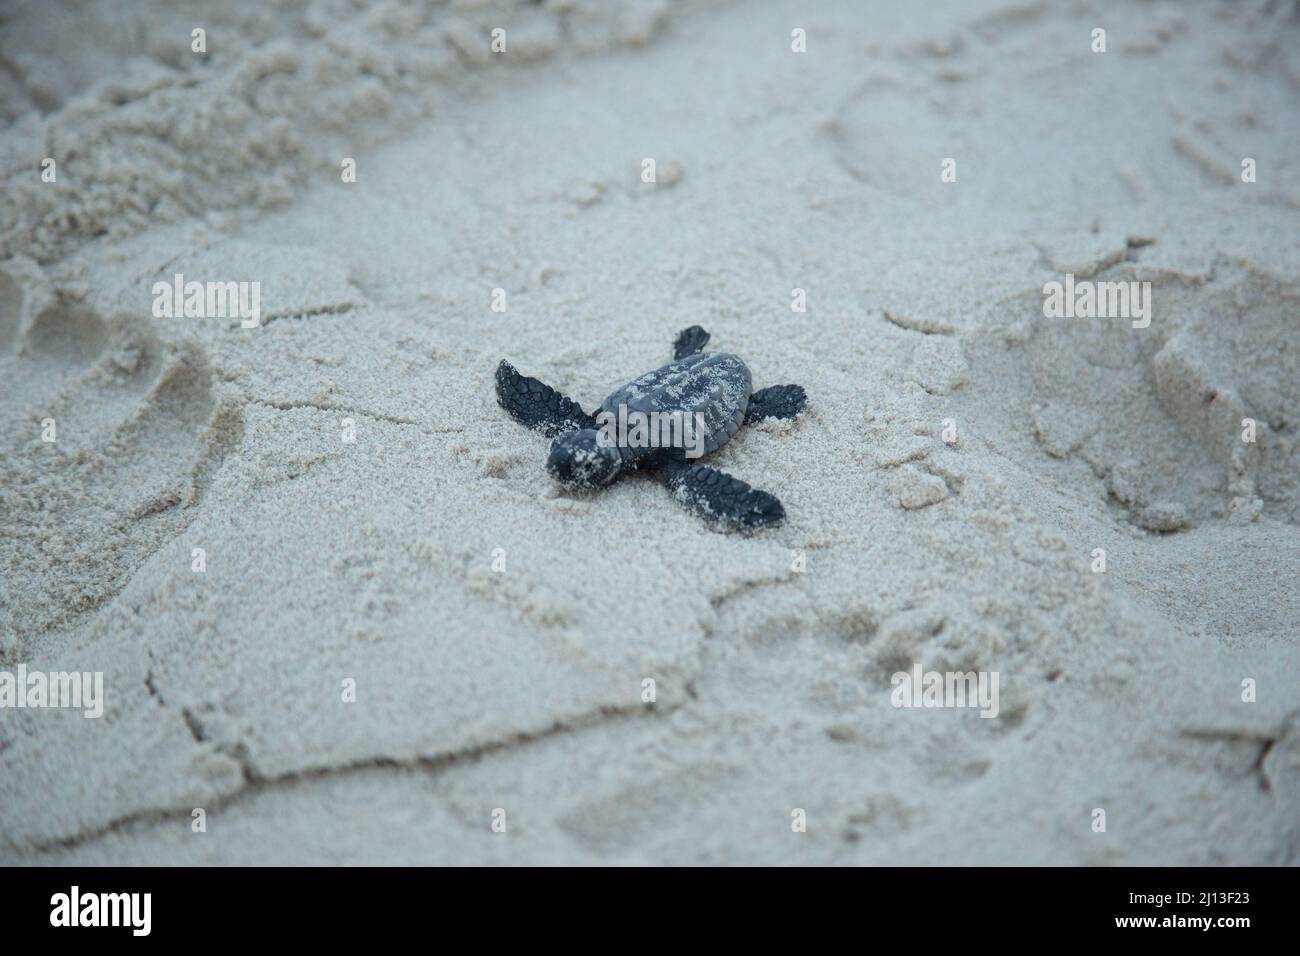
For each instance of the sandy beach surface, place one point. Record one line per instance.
(404, 631)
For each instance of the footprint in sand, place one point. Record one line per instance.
(129, 417)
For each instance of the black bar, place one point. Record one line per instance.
(301, 905)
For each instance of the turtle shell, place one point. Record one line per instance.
(715, 384)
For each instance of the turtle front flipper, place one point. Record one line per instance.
(720, 499)
(536, 405)
(689, 341)
(776, 401)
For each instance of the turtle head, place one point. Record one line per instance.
(580, 458)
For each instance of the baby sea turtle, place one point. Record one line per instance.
(661, 421)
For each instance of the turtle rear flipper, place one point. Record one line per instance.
(720, 499)
(776, 401)
(536, 405)
(689, 341)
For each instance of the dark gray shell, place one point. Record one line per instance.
(716, 384)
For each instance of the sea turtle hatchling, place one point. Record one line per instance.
(708, 394)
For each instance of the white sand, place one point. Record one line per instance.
(521, 690)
